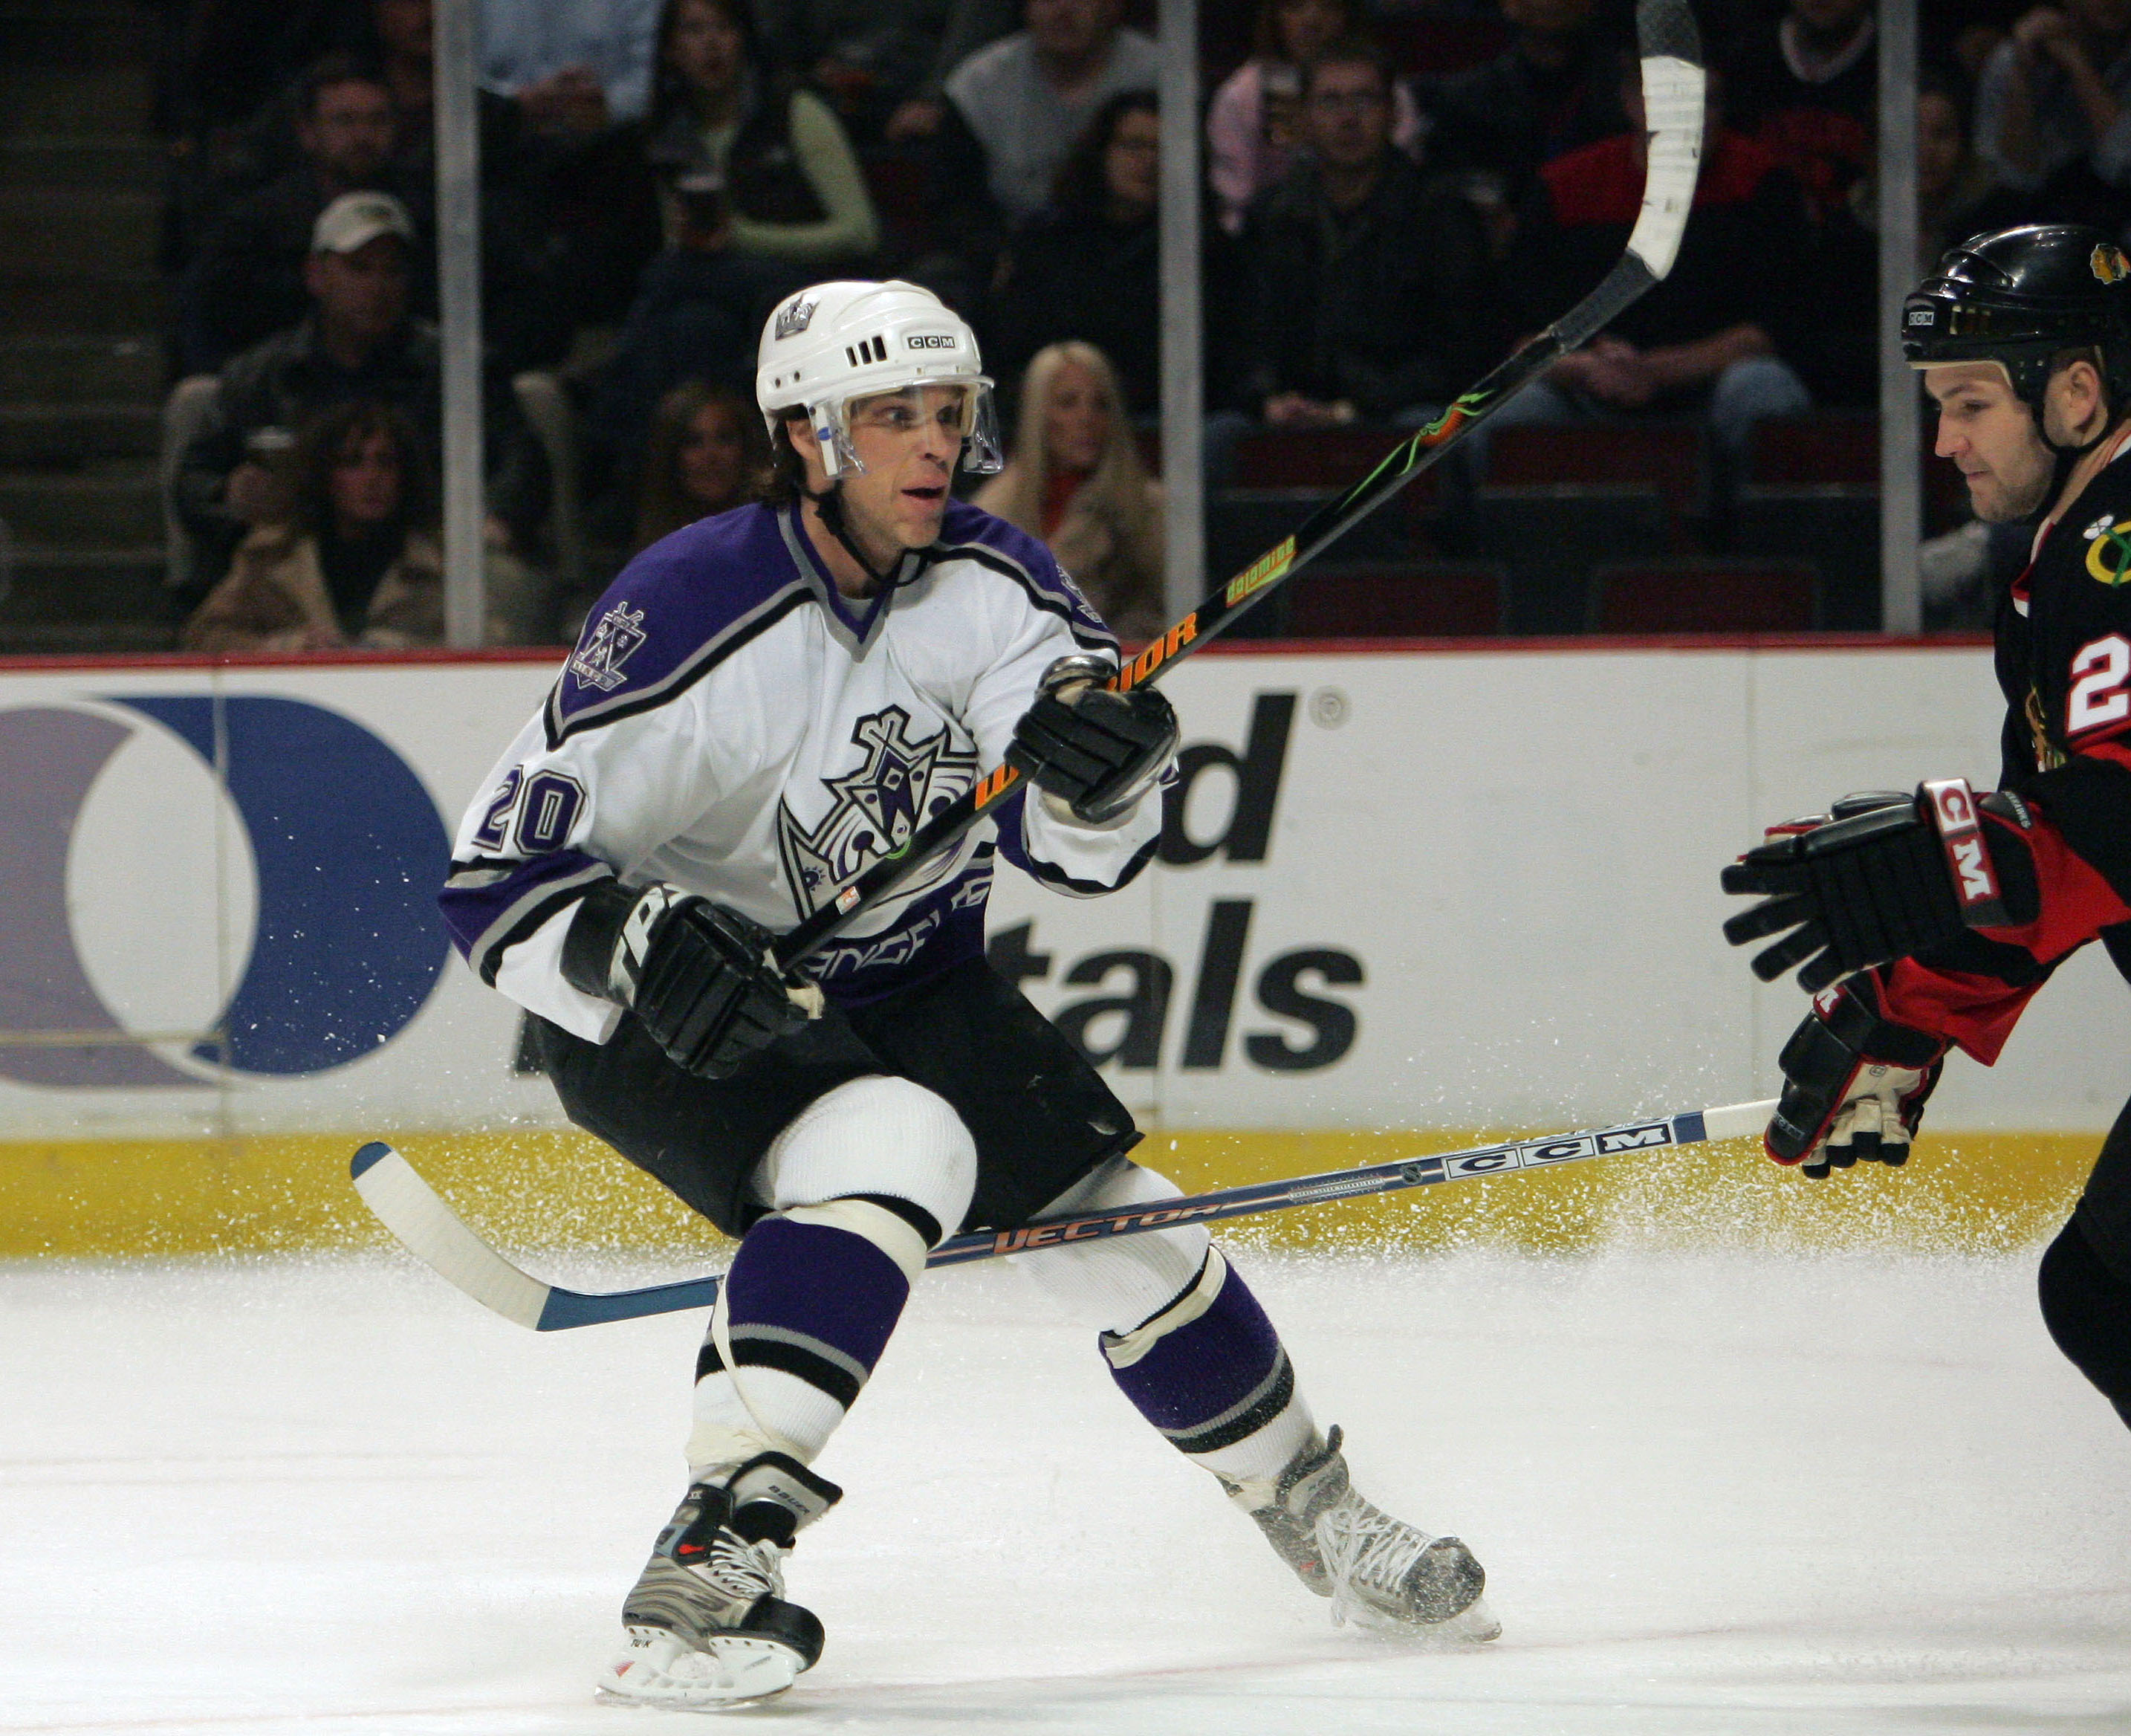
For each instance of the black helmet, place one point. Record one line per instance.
(2019, 296)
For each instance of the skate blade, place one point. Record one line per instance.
(1473, 1625)
(736, 1670)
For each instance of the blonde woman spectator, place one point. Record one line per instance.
(1251, 126)
(708, 454)
(355, 565)
(1077, 482)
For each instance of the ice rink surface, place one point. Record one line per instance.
(1714, 1493)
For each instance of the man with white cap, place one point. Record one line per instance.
(761, 706)
(358, 342)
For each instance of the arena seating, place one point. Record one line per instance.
(1834, 526)
(1421, 599)
(1550, 535)
(1697, 595)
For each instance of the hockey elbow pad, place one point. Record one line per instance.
(1855, 1086)
(1882, 878)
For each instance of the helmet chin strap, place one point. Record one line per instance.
(909, 566)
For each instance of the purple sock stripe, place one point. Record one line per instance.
(824, 1282)
(1211, 1365)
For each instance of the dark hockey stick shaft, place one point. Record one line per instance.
(412, 1210)
(1665, 30)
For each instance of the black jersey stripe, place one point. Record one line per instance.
(984, 555)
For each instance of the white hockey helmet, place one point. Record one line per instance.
(837, 342)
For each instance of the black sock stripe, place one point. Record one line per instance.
(707, 1359)
(1239, 1428)
(840, 1385)
(909, 1210)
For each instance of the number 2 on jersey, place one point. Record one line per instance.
(2099, 674)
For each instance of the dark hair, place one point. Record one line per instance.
(1349, 50)
(662, 504)
(323, 74)
(669, 91)
(323, 442)
(1082, 185)
(1265, 35)
(784, 481)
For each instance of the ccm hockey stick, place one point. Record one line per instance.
(1673, 91)
(413, 1210)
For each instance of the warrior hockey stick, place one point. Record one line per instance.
(1673, 87)
(412, 1210)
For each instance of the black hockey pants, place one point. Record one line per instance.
(2085, 1278)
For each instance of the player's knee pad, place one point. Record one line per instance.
(2087, 1308)
(883, 1158)
(1118, 1283)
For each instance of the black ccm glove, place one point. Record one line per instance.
(1854, 1087)
(699, 976)
(1096, 751)
(1884, 876)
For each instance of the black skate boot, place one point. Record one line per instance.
(1380, 1570)
(708, 1624)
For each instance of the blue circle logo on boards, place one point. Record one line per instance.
(347, 851)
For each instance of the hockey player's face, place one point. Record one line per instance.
(1990, 434)
(909, 442)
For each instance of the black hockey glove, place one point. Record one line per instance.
(698, 975)
(1854, 1087)
(1884, 876)
(1096, 751)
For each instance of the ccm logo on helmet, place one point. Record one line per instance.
(930, 341)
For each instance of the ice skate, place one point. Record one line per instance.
(1381, 1571)
(708, 1624)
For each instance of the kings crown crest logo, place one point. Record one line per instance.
(597, 662)
(793, 319)
(874, 811)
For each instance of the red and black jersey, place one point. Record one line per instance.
(2064, 662)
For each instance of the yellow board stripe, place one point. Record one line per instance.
(1973, 1193)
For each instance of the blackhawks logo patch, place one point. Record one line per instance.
(2108, 550)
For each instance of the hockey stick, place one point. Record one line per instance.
(413, 1210)
(1673, 89)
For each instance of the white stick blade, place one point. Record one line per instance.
(1735, 1121)
(1673, 91)
(408, 1207)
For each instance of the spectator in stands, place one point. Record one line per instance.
(708, 454)
(1806, 86)
(358, 343)
(760, 192)
(1551, 91)
(1837, 349)
(573, 65)
(355, 563)
(247, 281)
(749, 163)
(881, 62)
(2053, 110)
(1251, 128)
(1369, 281)
(1076, 480)
(1026, 98)
(1705, 341)
(1087, 265)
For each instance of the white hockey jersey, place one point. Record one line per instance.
(730, 724)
